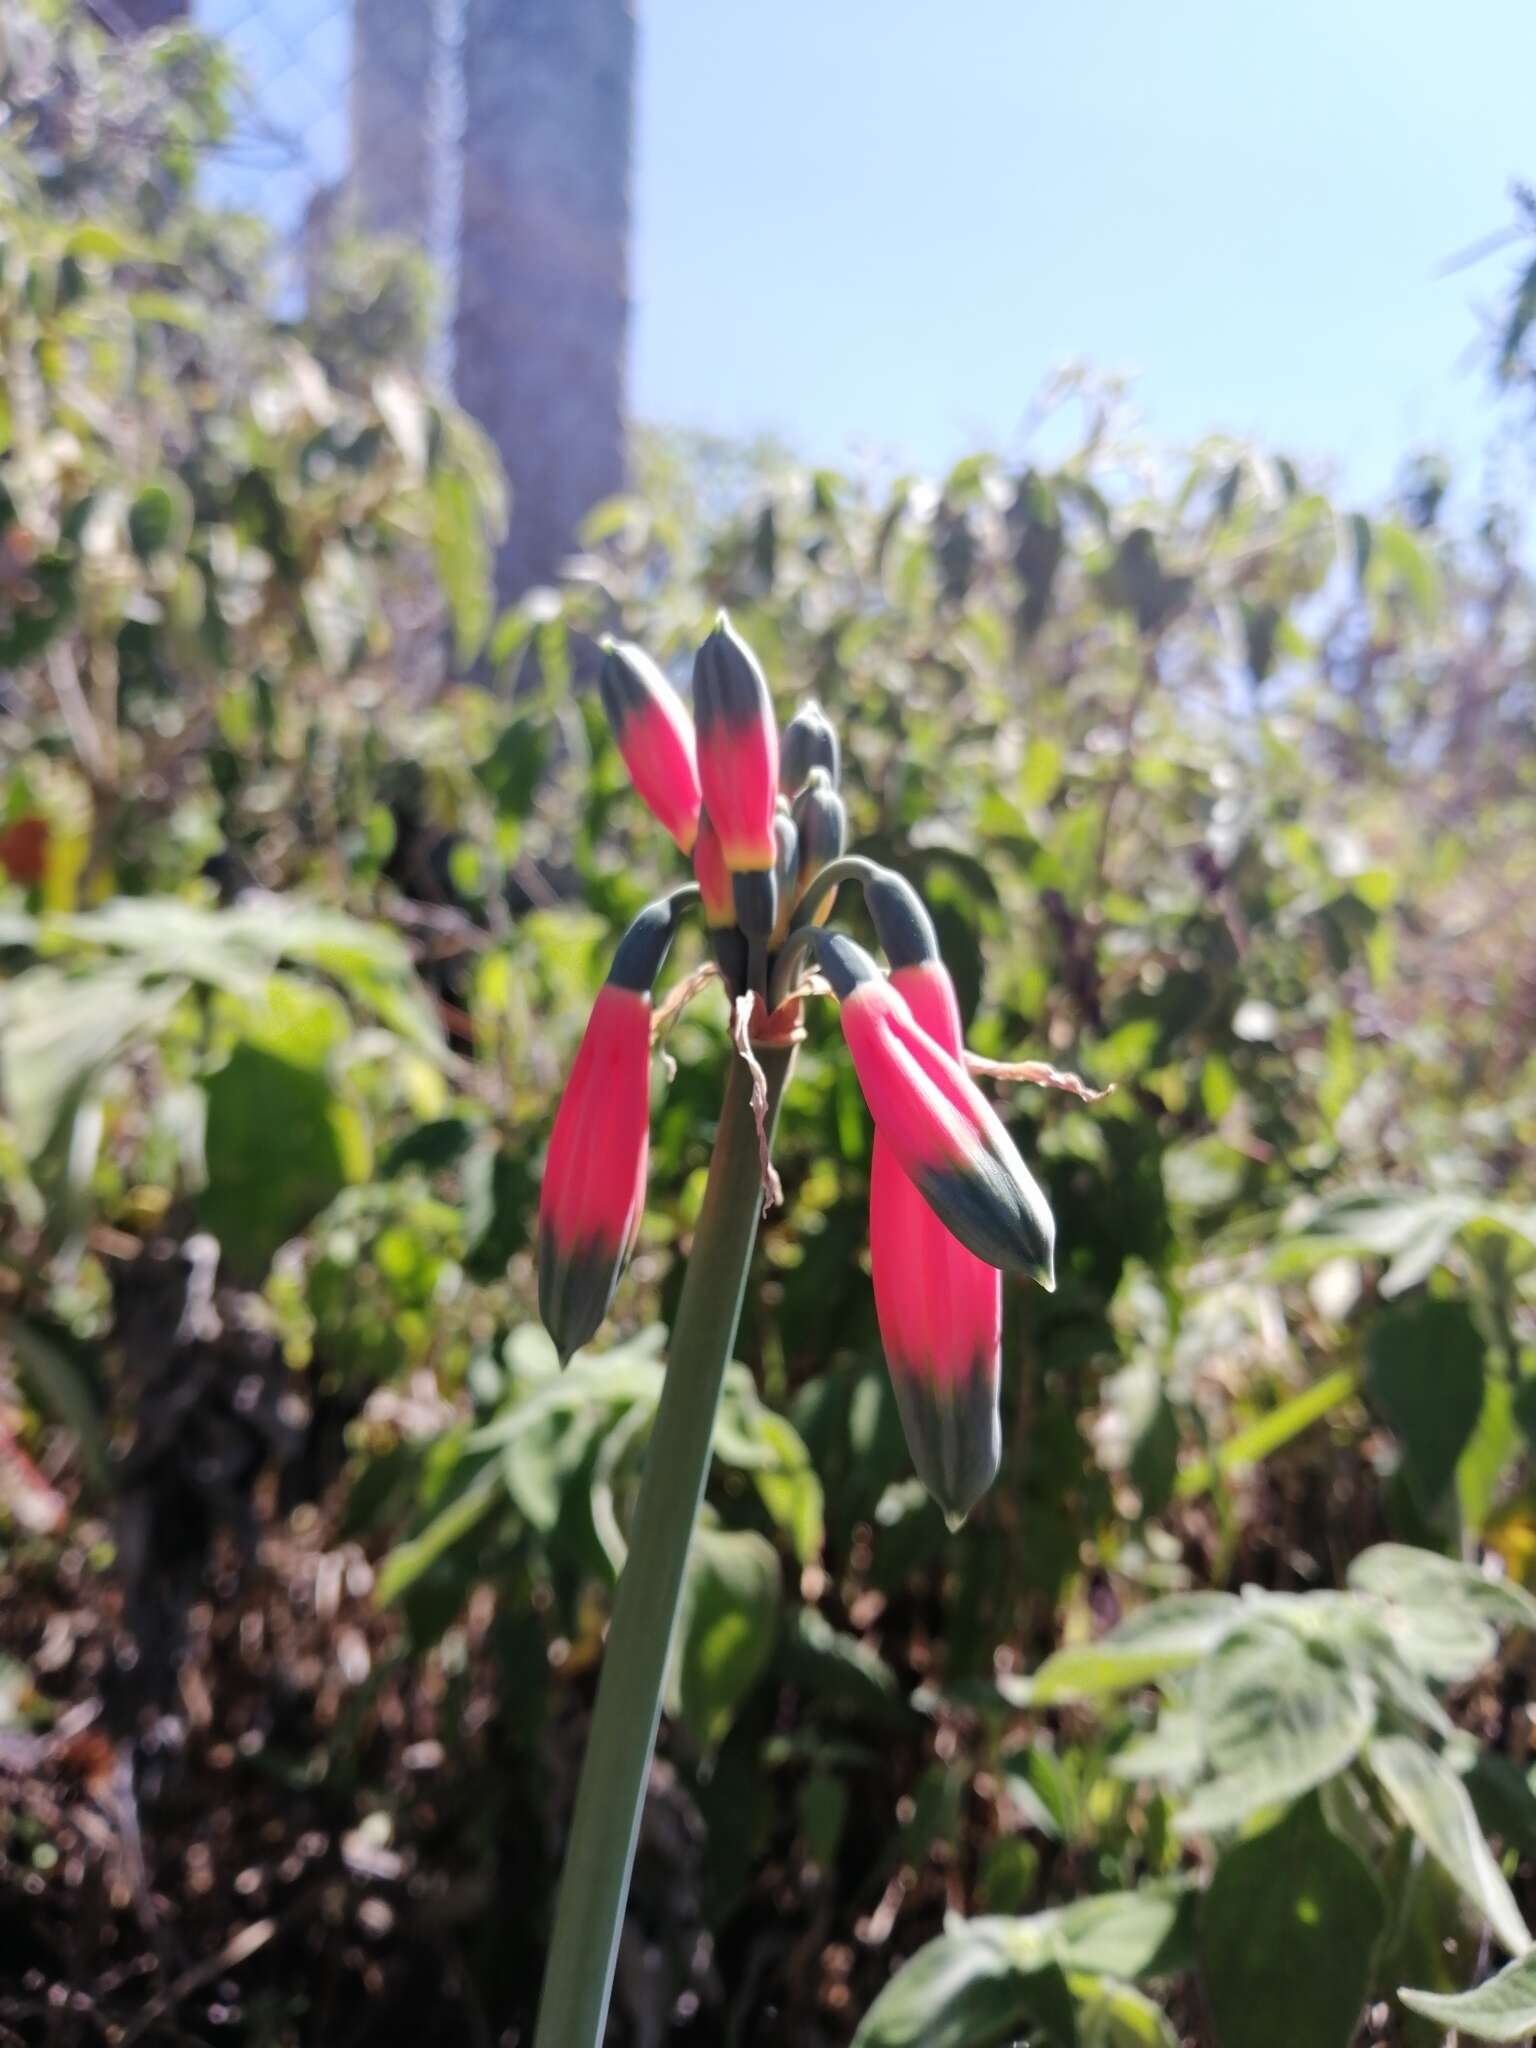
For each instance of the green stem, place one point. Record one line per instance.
(589, 1915)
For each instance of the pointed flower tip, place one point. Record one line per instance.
(954, 1519)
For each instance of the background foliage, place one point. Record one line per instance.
(1210, 1725)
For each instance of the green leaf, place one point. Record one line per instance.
(407, 1561)
(462, 554)
(1502, 2009)
(1442, 1616)
(1425, 1373)
(1111, 2015)
(972, 1988)
(840, 1672)
(792, 1493)
(338, 606)
(1432, 1801)
(279, 1142)
(1146, 1933)
(160, 517)
(1485, 1464)
(1170, 1635)
(1251, 1446)
(1279, 1716)
(731, 1601)
(63, 1390)
(1040, 775)
(1286, 1932)
(60, 1031)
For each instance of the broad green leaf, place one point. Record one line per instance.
(730, 1609)
(280, 1143)
(1286, 1932)
(792, 1493)
(1111, 2015)
(1172, 1751)
(1170, 1635)
(972, 1988)
(60, 1031)
(841, 1673)
(1432, 1801)
(1278, 1717)
(1136, 1934)
(1421, 1582)
(1425, 1373)
(1502, 2009)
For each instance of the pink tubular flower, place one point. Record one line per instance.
(942, 1131)
(940, 1308)
(593, 1191)
(739, 770)
(654, 733)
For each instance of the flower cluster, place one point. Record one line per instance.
(952, 1204)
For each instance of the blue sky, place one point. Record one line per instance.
(882, 223)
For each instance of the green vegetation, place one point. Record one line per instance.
(1211, 1724)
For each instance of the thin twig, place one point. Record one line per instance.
(238, 1949)
(1038, 1074)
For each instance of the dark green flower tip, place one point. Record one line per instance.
(810, 741)
(998, 1211)
(756, 897)
(639, 955)
(846, 965)
(901, 920)
(954, 1435)
(576, 1285)
(729, 687)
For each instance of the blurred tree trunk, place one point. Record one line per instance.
(138, 16)
(391, 183)
(543, 309)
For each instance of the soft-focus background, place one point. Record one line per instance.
(1214, 758)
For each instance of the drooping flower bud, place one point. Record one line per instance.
(810, 741)
(739, 770)
(593, 1191)
(822, 823)
(946, 1136)
(786, 867)
(940, 1308)
(655, 735)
